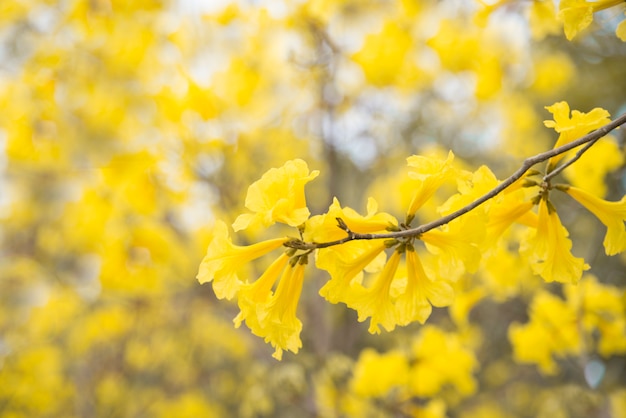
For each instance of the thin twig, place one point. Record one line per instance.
(528, 163)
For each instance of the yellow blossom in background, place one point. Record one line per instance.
(440, 359)
(224, 259)
(385, 55)
(611, 214)
(376, 374)
(542, 19)
(548, 249)
(278, 197)
(552, 331)
(574, 127)
(577, 15)
(603, 313)
(621, 30)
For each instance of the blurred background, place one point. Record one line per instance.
(127, 128)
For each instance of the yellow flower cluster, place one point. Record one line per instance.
(591, 318)
(375, 262)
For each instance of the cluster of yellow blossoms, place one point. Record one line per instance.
(374, 261)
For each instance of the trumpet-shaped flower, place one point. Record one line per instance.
(548, 249)
(345, 269)
(375, 302)
(223, 259)
(281, 327)
(414, 303)
(278, 197)
(273, 315)
(455, 247)
(611, 214)
(346, 262)
(430, 174)
(322, 228)
(570, 129)
(253, 298)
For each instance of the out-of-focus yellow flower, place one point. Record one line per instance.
(570, 129)
(542, 19)
(430, 174)
(548, 249)
(414, 303)
(578, 14)
(603, 313)
(611, 214)
(224, 259)
(552, 330)
(384, 54)
(441, 359)
(376, 374)
(278, 197)
(620, 31)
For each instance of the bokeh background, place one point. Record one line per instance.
(127, 128)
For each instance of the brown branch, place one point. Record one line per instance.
(528, 163)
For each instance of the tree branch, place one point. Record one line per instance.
(528, 163)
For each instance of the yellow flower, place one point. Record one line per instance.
(591, 169)
(323, 228)
(455, 248)
(375, 302)
(611, 214)
(570, 129)
(273, 315)
(254, 297)
(376, 374)
(281, 327)
(578, 14)
(553, 330)
(548, 250)
(346, 262)
(278, 197)
(223, 259)
(430, 174)
(345, 268)
(502, 215)
(620, 31)
(441, 359)
(414, 303)
(384, 54)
